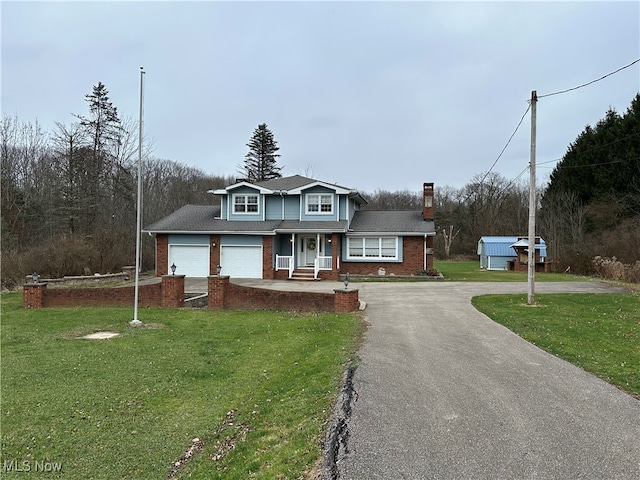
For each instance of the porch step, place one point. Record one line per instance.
(303, 275)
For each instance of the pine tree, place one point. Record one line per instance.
(261, 162)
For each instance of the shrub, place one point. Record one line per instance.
(611, 268)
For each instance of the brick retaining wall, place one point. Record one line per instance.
(226, 295)
(169, 292)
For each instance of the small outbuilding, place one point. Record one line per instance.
(509, 253)
(496, 252)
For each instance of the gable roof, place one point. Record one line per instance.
(399, 222)
(286, 183)
(290, 185)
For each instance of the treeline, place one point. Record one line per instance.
(68, 198)
(489, 204)
(591, 206)
(589, 209)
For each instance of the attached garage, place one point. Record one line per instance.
(190, 260)
(241, 261)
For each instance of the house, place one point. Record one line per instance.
(293, 227)
(508, 253)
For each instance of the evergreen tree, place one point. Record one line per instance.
(261, 162)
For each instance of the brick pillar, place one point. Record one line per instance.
(173, 291)
(214, 255)
(346, 301)
(33, 295)
(267, 258)
(162, 255)
(217, 286)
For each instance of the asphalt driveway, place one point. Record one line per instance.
(443, 392)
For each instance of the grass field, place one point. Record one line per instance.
(255, 389)
(471, 272)
(599, 333)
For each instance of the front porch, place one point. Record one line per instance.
(307, 256)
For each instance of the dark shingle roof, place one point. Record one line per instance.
(295, 226)
(399, 222)
(204, 218)
(286, 183)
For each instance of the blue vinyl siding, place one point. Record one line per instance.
(245, 216)
(292, 207)
(241, 240)
(319, 216)
(188, 239)
(273, 207)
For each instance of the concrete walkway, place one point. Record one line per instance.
(443, 392)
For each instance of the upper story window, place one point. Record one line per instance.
(319, 203)
(245, 204)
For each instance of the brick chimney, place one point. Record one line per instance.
(427, 203)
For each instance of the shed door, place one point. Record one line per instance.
(241, 261)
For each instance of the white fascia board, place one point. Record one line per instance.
(209, 232)
(390, 234)
(309, 230)
(226, 190)
(337, 189)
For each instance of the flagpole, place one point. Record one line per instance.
(135, 320)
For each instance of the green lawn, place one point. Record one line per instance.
(471, 272)
(255, 388)
(599, 333)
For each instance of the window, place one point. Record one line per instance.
(320, 203)
(373, 248)
(245, 204)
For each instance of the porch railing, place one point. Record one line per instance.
(321, 263)
(284, 263)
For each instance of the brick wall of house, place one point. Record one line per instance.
(214, 254)
(413, 251)
(162, 254)
(268, 269)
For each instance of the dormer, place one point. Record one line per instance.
(242, 201)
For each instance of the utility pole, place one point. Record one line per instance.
(531, 258)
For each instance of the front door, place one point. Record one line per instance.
(308, 250)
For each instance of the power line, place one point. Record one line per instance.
(612, 162)
(592, 81)
(499, 156)
(595, 147)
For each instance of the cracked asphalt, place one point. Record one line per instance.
(443, 392)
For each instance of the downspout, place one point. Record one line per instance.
(424, 260)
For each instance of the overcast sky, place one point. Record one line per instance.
(371, 95)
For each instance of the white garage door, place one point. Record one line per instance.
(190, 260)
(241, 262)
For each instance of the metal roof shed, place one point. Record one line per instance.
(496, 252)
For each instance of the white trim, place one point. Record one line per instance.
(246, 203)
(307, 196)
(335, 188)
(364, 256)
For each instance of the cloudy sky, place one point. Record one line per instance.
(371, 95)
